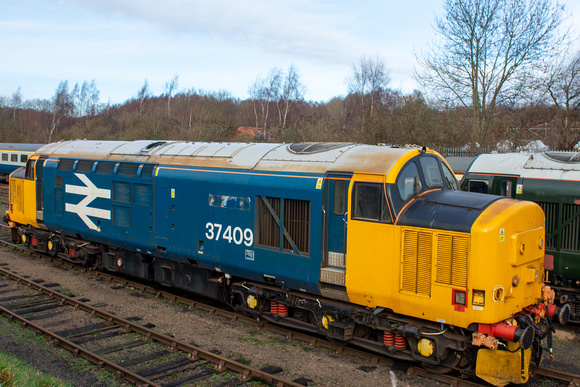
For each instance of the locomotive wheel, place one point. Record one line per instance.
(448, 363)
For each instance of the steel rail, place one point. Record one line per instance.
(573, 379)
(195, 353)
(78, 351)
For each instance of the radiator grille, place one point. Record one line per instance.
(417, 262)
(17, 195)
(297, 223)
(570, 233)
(551, 212)
(268, 230)
(563, 218)
(452, 253)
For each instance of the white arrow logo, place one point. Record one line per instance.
(91, 192)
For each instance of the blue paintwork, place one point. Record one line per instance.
(174, 222)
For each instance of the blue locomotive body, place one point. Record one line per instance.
(163, 210)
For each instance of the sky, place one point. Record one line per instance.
(211, 45)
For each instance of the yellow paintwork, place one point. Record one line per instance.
(374, 265)
(22, 207)
(499, 262)
(502, 367)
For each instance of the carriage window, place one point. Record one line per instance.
(339, 197)
(23, 158)
(4, 156)
(480, 186)
(14, 158)
(409, 183)
(430, 168)
(370, 202)
(506, 188)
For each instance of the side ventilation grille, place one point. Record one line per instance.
(418, 261)
(452, 251)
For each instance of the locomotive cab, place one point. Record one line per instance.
(25, 197)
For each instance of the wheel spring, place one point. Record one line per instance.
(400, 341)
(273, 307)
(282, 310)
(389, 338)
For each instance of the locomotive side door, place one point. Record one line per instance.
(333, 267)
(39, 198)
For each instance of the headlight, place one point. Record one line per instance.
(459, 297)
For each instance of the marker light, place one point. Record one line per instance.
(478, 297)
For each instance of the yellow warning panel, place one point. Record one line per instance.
(501, 367)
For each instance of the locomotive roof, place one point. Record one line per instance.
(304, 157)
(546, 165)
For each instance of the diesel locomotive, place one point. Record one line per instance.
(552, 180)
(371, 245)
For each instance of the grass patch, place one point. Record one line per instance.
(28, 338)
(15, 372)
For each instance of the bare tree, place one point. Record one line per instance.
(561, 84)
(16, 101)
(170, 87)
(370, 77)
(61, 106)
(271, 93)
(292, 91)
(93, 97)
(256, 91)
(484, 45)
(143, 95)
(263, 92)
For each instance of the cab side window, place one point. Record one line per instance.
(409, 183)
(450, 180)
(29, 174)
(370, 202)
(430, 168)
(339, 197)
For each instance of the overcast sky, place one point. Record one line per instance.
(210, 44)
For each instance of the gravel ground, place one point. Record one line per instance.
(213, 333)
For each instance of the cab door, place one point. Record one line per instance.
(337, 185)
(38, 172)
(333, 267)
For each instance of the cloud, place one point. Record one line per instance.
(301, 28)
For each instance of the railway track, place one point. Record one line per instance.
(133, 352)
(3, 197)
(313, 341)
